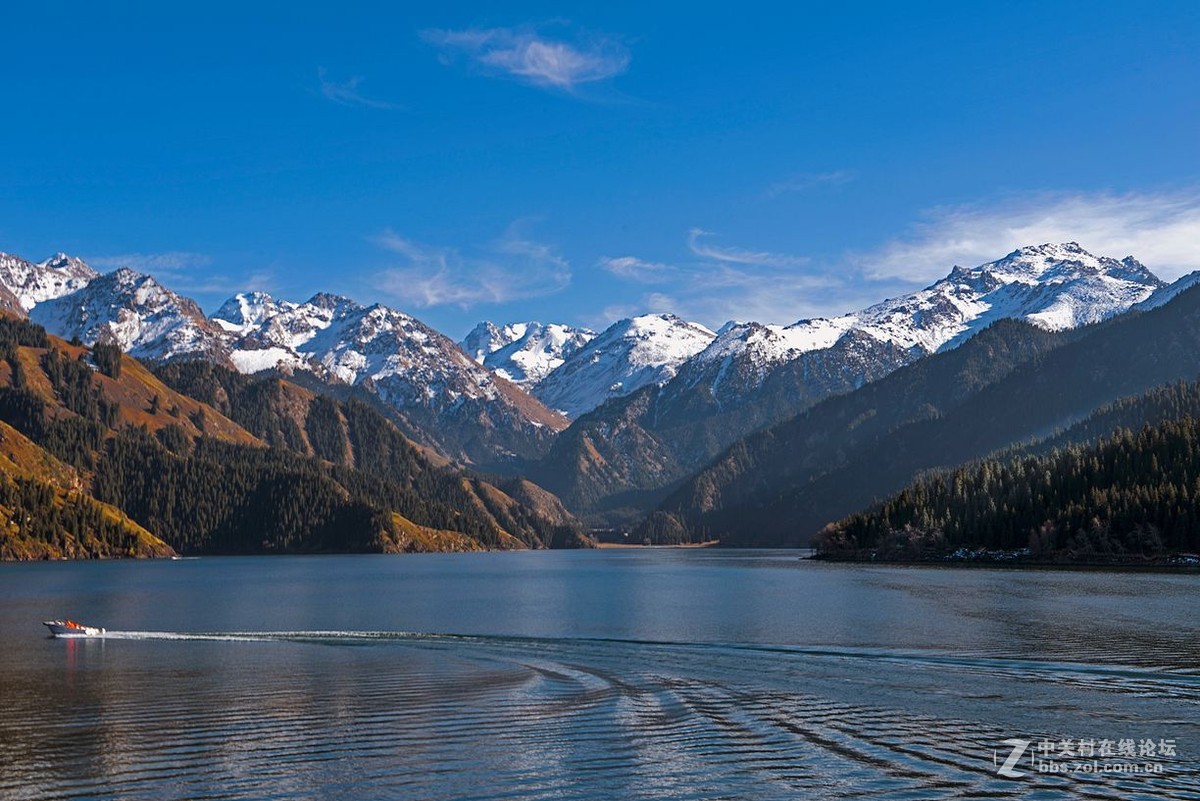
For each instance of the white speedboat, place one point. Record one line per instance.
(69, 628)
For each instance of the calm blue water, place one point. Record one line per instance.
(592, 675)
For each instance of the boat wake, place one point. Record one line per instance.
(767, 721)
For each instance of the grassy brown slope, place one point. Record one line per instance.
(412, 538)
(26, 528)
(21, 456)
(133, 392)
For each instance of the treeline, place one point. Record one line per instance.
(1008, 385)
(256, 404)
(335, 476)
(368, 455)
(225, 498)
(1132, 494)
(42, 522)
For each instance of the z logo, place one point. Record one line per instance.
(1018, 751)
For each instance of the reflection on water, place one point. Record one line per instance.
(639, 674)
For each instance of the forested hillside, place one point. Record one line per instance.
(1007, 386)
(305, 473)
(1132, 495)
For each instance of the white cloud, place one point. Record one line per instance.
(640, 270)
(810, 180)
(525, 54)
(346, 92)
(733, 283)
(1162, 230)
(737, 255)
(510, 268)
(714, 294)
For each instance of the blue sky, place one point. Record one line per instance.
(582, 162)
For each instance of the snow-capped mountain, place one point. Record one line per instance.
(711, 387)
(524, 353)
(1054, 286)
(439, 395)
(1168, 293)
(753, 375)
(266, 333)
(444, 396)
(31, 283)
(141, 315)
(625, 357)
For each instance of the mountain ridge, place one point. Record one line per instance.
(843, 469)
(648, 401)
(754, 375)
(109, 459)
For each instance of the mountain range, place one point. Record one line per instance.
(101, 456)
(619, 422)
(1012, 384)
(626, 455)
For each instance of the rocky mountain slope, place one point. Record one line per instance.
(136, 312)
(133, 464)
(438, 394)
(1012, 383)
(30, 283)
(435, 392)
(524, 353)
(753, 375)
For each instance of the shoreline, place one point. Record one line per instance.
(1012, 564)
(626, 545)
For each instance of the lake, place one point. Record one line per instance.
(633, 673)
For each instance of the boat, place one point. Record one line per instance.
(69, 628)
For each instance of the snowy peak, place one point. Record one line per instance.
(487, 338)
(628, 355)
(524, 353)
(1051, 263)
(246, 310)
(33, 283)
(266, 333)
(448, 398)
(141, 315)
(655, 340)
(1054, 286)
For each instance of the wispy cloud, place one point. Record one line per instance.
(778, 298)
(738, 255)
(1161, 229)
(346, 92)
(510, 268)
(732, 283)
(527, 55)
(635, 269)
(809, 180)
(184, 271)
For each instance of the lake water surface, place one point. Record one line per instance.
(594, 675)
